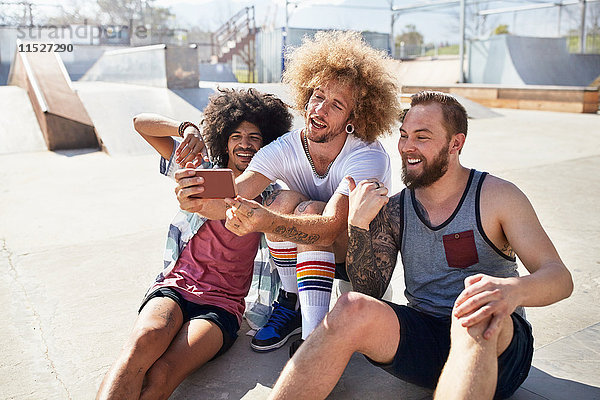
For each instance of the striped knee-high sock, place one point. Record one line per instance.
(284, 258)
(315, 271)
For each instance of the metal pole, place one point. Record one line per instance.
(284, 36)
(392, 20)
(582, 30)
(30, 15)
(287, 16)
(461, 48)
(559, 18)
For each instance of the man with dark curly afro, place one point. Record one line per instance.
(193, 310)
(348, 97)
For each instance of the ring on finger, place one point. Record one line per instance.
(378, 185)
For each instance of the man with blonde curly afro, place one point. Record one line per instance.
(348, 98)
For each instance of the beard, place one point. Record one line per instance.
(322, 137)
(431, 171)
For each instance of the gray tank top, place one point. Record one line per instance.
(438, 259)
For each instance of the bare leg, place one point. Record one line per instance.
(196, 343)
(471, 370)
(320, 361)
(156, 325)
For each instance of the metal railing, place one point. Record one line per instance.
(234, 31)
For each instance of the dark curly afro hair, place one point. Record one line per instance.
(228, 108)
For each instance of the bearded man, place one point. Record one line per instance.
(457, 230)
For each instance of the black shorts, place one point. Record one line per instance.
(425, 344)
(225, 320)
(340, 272)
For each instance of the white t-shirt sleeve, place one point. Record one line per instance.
(366, 164)
(269, 161)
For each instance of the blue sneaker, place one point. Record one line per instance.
(283, 323)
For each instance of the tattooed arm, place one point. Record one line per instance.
(372, 253)
(373, 225)
(246, 216)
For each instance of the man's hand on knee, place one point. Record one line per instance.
(486, 298)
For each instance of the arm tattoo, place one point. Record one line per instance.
(271, 198)
(296, 236)
(372, 254)
(507, 249)
(302, 206)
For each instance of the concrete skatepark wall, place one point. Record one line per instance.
(173, 67)
(519, 60)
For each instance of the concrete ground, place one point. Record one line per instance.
(82, 234)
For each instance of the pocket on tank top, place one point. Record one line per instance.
(460, 249)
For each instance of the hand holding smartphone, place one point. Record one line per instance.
(219, 183)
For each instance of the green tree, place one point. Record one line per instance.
(120, 12)
(410, 36)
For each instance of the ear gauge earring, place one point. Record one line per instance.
(349, 129)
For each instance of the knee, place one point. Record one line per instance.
(310, 207)
(473, 336)
(350, 315)
(140, 340)
(284, 201)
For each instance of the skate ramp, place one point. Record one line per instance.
(430, 71)
(519, 60)
(219, 72)
(62, 118)
(173, 67)
(476, 110)
(112, 106)
(19, 128)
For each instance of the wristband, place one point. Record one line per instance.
(184, 125)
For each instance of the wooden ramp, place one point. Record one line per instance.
(63, 120)
(527, 97)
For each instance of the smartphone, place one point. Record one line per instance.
(219, 183)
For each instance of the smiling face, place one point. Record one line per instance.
(424, 146)
(328, 111)
(242, 144)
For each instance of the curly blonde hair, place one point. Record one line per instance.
(346, 58)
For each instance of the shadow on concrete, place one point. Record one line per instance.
(75, 152)
(4, 69)
(542, 385)
(197, 97)
(244, 374)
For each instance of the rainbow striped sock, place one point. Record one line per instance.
(315, 271)
(284, 258)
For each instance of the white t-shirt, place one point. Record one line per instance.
(286, 160)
